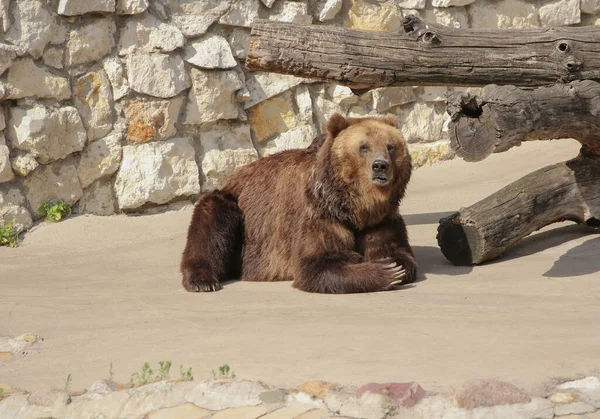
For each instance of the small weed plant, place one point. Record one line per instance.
(8, 235)
(68, 382)
(55, 210)
(163, 371)
(143, 377)
(186, 375)
(147, 375)
(225, 372)
(110, 372)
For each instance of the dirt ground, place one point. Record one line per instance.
(102, 290)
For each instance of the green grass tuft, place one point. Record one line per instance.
(55, 210)
(8, 236)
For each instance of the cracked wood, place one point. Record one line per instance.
(426, 54)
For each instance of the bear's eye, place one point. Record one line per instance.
(391, 147)
(364, 147)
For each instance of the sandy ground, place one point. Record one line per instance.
(102, 290)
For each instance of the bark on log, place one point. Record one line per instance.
(504, 116)
(564, 191)
(426, 54)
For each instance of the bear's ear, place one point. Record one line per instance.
(336, 124)
(391, 119)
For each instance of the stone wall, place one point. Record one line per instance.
(124, 105)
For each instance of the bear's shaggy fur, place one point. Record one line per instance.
(325, 217)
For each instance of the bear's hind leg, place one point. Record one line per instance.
(213, 250)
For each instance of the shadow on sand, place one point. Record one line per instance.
(580, 260)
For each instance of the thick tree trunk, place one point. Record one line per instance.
(426, 54)
(483, 231)
(504, 116)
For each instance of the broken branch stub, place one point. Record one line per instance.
(504, 116)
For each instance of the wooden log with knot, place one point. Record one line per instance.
(422, 53)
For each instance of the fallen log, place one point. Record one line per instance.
(483, 231)
(426, 54)
(502, 117)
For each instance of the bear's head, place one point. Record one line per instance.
(362, 169)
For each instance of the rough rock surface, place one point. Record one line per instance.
(212, 51)
(145, 33)
(299, 137)
(92, 97)
(405, 394)
(274, 116)
(290, 11)
(33, 27)
(80, 7)
(505, 14)
(560, 13)
(27, 79)
(116, 75)
(590, 6)
(367, 15)
(161, 76)
(90, 42)
(13, 208)
(151, 120)
(97, 199)
(213, 96)
(329, 9)
(194, 18)
(101, 158)
(224, 147)
(480, 393)
(54, 182)
(23, 163)
(131, 7)
(47, 133)
(6, 171)
(156, 173)
(54, 56)
(422, 122)
(241, 13)
(263, 86)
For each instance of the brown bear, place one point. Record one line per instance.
(325, 217)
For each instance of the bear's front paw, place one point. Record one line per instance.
(392, 275)
(196, 283)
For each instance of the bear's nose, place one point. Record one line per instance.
(380, 166)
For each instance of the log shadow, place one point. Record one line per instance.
(539, 242)
(425, 218)
(578, 261)
(431, 261)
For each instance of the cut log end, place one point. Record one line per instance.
(453, 241)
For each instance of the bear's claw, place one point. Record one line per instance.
(397, 273)
(202, 287)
